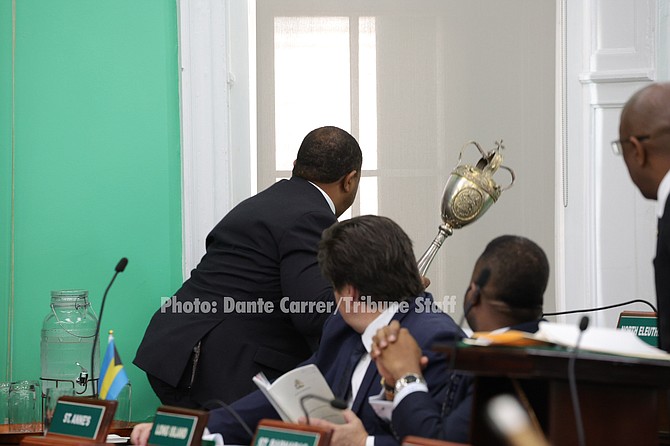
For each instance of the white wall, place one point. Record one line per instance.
(446, 72)
(604, 230)
(609, 228)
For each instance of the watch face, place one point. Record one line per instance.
(408, 379)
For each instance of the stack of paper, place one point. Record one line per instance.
(595, 339)
(599, 339)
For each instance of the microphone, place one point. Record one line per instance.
(120, 267)
(335, 402)
(483, 278)
(234, 413)
(481, 281)
(583, 324)
(587, 310)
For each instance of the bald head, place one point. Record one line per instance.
(644, 132)
(648, 110)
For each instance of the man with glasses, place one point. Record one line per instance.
(644, 142)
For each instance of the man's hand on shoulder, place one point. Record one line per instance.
(425, 281)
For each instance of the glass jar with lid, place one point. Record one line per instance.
(66, 342)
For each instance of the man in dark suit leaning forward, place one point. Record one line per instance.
(257, 301)
(644, 142)
(371, 265)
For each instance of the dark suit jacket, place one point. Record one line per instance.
(423, 415)
(662, 275)
(265, 248)
(335, 350)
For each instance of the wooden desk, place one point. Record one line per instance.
(7, 437)
(619, 396)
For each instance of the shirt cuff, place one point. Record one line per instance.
(381, 406)
(409, 388)
(216, 438)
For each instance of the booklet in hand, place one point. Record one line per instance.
(305, 384)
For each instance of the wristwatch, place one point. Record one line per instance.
(407, 380)
(389, 390)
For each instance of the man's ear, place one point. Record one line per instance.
(349, 181)
(640, 154)
(350, 291)
(471, 298)
(475, 295)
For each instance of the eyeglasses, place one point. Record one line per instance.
(617, 146)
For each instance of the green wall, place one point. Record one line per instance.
(5, 176)
(96, 170)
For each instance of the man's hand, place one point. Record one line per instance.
(140, 434)
(425, 281)
(384, 336)
(352, 433)
(396, 353)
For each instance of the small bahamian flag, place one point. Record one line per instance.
(112, 374)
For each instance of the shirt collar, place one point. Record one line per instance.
(500, 330)
(382, 320)
(662, 194)
(327, 197)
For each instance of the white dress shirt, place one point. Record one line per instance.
(662, 195)
(366, 338)
(327, 197)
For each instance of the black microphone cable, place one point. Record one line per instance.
(231, 411)
(587, 310)
(120, 267)
(335, 402)
(579, 425)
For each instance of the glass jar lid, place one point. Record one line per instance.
(69, 297)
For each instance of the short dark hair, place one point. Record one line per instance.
(519, 272)
(374, 255)
(327, 154)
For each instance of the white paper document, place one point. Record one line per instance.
(599, 339)
(286, 392)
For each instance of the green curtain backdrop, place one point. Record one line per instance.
(90, 118)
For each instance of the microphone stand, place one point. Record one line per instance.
(120, 267)
(583, 323)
